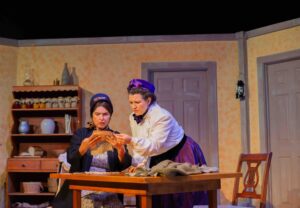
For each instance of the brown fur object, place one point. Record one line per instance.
(103, 145)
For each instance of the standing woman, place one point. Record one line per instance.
(89, 152)
(157, 136)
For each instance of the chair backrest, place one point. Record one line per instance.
(251, 177)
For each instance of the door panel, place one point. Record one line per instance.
(284, 124)
(185, 95)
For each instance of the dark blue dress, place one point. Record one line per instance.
(83, 163)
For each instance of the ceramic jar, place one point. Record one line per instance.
(74, 101)
(54, 103)
(48, 103)
(29, 103)
(23, 104)
(47, 126)
(52, 184)
(17, 104)
(42, 103)
(36, 103)
(61, 102)
(23, 127)
(68, 102)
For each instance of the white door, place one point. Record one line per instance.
(284, 128)
(185, 94)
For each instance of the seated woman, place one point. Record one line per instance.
(157, 136)
(89, 152)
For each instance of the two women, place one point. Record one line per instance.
(156, 136)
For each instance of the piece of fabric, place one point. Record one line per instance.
(27, 205)
(170, 168)
(156, 134)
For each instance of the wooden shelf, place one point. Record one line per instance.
(43, 109)
(45, 88)
(41, 135)
(31, 194)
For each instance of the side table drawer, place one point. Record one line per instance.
(23, 164)
(50, 164)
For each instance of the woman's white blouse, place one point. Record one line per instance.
(157, 133)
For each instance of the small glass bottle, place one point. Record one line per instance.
(65, 77)
(28, 78)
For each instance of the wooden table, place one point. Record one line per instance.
(144, 187)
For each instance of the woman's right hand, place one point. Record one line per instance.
(132, 169)
(89, 143)
(123, 138)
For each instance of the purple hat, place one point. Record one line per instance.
(99, 97)
(140, 83)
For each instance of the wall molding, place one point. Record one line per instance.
(8, 42)
(273, 28)
(244, 104)
(126, 40)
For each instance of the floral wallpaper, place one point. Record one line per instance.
(8, 71)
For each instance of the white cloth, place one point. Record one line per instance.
(27, 205)
(157, 133)
(65, 165)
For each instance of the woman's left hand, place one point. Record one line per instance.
(123, 138)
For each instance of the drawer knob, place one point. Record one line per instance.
(23, 165)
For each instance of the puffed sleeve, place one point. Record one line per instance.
(73, 155)
(157, 141)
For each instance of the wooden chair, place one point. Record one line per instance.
(251, 179)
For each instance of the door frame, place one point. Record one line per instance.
(263, 99)
(148, 70)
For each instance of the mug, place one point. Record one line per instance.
(32, 187)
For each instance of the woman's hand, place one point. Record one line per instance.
(132, 168)
(117, 145)
(89, 143)
(123, 138)
(113, 141)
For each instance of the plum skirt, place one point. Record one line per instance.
(186, 151)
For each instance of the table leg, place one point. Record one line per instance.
(76, 198)
(212, 199)
(145, 201)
